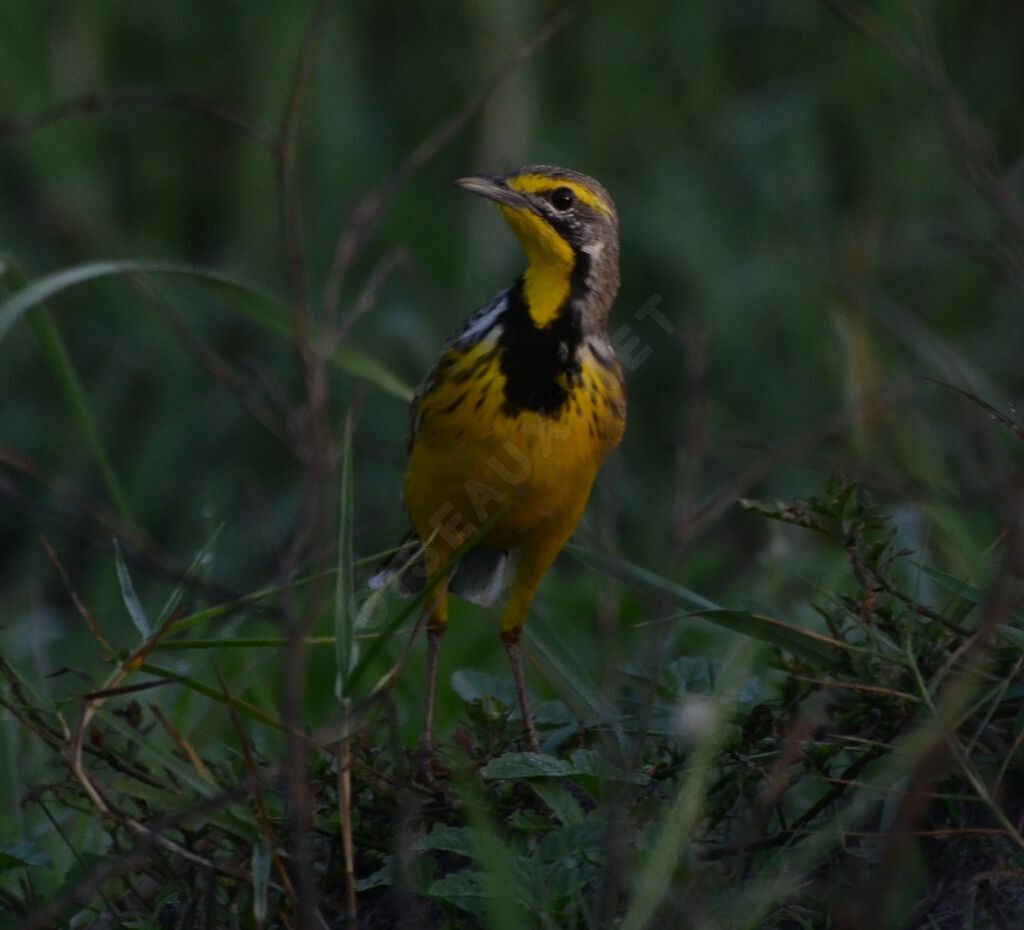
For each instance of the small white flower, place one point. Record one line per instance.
(695, 717)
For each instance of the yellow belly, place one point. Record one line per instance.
(520, 477)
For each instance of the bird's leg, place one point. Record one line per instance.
(435, 633)
(511, 640)
(425, 761)
(533, 563)
(437, 623)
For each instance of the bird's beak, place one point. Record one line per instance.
(495, 189)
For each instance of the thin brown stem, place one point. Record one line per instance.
(315, 447)
(84, 612)
(220, 369)
(367, 211)
(345, 813)
(98, 104)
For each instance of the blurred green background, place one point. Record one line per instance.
(787, 196)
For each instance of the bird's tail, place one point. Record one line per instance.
(480, 576)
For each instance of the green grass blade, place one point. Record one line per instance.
(368, 369)
(962, 589)
(58, 360)
(248, 642)
(815, 648)
(258, 305)
(655, 875)
(388, 629)
(163, 800)
(128, 595)
(179, 591)
(264, 594)
(634, 576)
(384, 635)
(822, 651)
(563, 671)
(499, 877)
(243, 707)
(182, 771)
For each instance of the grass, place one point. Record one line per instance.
(770, 695)
(737, 789)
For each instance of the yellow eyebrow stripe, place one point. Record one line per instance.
(540, 183)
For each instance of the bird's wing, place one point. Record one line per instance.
(473, 329)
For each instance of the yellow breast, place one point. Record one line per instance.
(475, 460)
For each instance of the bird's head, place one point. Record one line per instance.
(568, 228)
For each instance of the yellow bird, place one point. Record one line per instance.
(512, 423)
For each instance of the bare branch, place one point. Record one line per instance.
(238, 385)
(98, 104)
(368, 210)
(315, 519)
(98, 512)
(369, 295)
(83, 611)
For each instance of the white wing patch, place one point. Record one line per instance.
(482, 321)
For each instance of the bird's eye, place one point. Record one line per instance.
(562, 198)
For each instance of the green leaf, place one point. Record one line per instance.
(462, 888)
(526, 820)
(444, 838)
(379, 879)
(582, 838)
(128, 595)
(559, 799)
(22, 855)
(1012, 635)
(472, 685)
(962, 589)
(163, 801)
(526, 765)
(258, 305)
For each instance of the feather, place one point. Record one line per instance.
(480, 577)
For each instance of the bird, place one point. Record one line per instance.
(510, 426)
